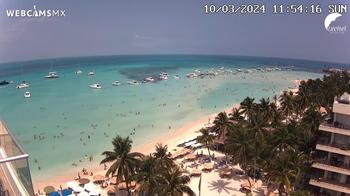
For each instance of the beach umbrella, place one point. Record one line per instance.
(66, 192)
(55, 193)
(49, 189)
(83, 181)
(195, 172)
(98, 178)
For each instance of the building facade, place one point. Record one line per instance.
(15, 177)
(333, 152)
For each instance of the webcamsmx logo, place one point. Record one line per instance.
(328, 24)
(35, 13)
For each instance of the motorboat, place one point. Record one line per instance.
(27, 94)
(163, 77)
(133, 82)
(91, 73)
(24, 84)
(116, 83)
(52, 75)
(95, 86)
(78, 72)
(149, 79)
(177, 77)
(191, 75)
(4, 82)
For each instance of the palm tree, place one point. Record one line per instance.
(236, 115)
(148, 176)
(174, 184)
(284, 170)
(239, 145)
(205, 138)
(287, 103)
(284, 137)
(247, 107)
(222, 124)
(124, 162)
(163, 156)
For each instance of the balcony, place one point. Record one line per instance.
(15, 178)
(341, 107)
(337, 167)
(331, 185)
(335, 128)
(334, 148)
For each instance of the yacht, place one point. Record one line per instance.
(191, 75)
(95, 86)
(78, 72)
(27, 94)
(91, 73)
(51, 75)
(116, 83)
(4, 82)
(24, 84)
(133, 82)
(163, 77)
(149, 79)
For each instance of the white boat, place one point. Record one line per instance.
(163, 77)
(24, 84)
(27, 94)
(51, 75)
(91, 73)
(191, 75)
(95, 86)
(177, 77)
(149, 79)
(239, 70)
(133, 82)
(116, 83)
(163, 74)
(78, 72)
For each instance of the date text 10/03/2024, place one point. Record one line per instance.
(276, 9)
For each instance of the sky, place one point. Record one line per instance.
(118, 27)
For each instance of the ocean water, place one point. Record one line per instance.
(66, 122)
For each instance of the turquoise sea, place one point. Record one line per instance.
(66, 122)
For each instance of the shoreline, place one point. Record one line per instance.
(185, 132)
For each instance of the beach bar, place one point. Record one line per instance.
(15, 177)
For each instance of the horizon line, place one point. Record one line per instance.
(116, 55)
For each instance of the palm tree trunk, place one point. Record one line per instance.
(208, 150)
(127, 184)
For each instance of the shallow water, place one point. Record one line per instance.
(65, 121)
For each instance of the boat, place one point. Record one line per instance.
(191, 75)
(24, 84)
(116, 83)
(95, 86)
(239, 70)
(149, 79)
(78, 72)
(91, 73)
(27, 94)
(52, 75)
(133, 82)
(177, 77)
(4, 82)
(163, 77)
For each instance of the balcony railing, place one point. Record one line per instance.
(333, 166)
(331, 185)
(336, 127)
(343, 149)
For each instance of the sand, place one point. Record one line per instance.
(187, 132)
